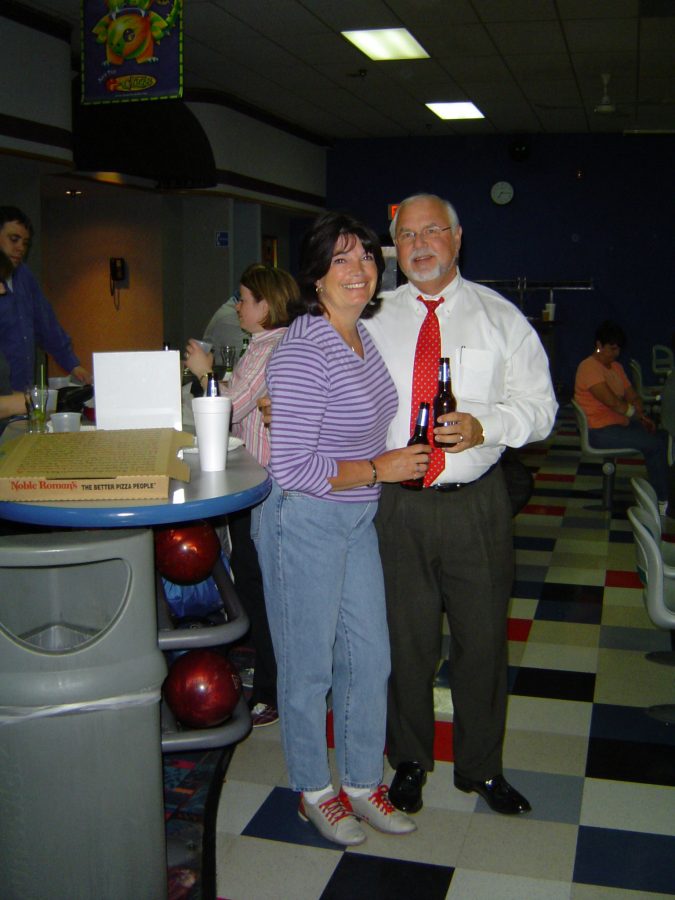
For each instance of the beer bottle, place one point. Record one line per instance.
(419, 436)
(244, 347)
(212, 388)
(444, 401)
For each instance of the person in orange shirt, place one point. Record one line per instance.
(614, 410)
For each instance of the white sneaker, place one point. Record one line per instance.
(377, 810)
(264, 714)
(332, 820)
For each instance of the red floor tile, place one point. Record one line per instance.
(443, 742)
(518, 629)
(535, 509)
(617, 578)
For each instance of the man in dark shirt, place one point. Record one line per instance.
(27, 319)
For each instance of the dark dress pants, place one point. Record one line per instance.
(448, 552)
(249, 587)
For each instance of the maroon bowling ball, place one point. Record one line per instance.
(202, 688)
(186, 554)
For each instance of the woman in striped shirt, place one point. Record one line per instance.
(264, 294)
(332, 400)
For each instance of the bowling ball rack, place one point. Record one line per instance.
(195, 760)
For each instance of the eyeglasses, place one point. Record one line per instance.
(431, 232)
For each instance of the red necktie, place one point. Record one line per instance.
(425, 381)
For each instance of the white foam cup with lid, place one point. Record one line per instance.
(212, 424)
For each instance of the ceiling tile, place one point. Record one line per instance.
(522, 37)
(511, 57)
(515, 10)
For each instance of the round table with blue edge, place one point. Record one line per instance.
(244, 483)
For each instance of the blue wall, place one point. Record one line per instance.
(614, 224)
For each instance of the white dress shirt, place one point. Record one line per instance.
(499, 369)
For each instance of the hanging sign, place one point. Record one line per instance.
(131, 50)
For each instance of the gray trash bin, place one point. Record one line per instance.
(81, 794)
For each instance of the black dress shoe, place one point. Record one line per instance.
(405, 791)
(497, 793)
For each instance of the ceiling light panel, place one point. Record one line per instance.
(386, 43)
(455, 110)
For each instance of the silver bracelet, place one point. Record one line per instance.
(373, 467)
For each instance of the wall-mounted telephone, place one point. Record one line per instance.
(118, 268)
(118, 274)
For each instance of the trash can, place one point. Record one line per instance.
(81, 788)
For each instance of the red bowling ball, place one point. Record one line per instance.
(186, 554)
(202, 688)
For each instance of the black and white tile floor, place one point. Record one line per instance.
(599, 772)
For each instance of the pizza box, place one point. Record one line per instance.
(93, 465)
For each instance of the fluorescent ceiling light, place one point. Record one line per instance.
(455, 110)
(387, 43)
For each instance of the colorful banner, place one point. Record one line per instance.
(131, 51)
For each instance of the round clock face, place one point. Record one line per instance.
(501, 193)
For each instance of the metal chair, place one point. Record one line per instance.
(658, 593)
(649, 394)
(662, 360)
(607, 455)
(645, 498)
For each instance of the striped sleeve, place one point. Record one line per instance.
(298, 384)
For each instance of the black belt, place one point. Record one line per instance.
(450, 486)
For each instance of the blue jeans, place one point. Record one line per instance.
(324, 593)
(652, 446)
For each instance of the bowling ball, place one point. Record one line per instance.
(186, 554)
(202, 688)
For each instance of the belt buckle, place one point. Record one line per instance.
(448, 487)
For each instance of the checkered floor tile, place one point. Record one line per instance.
(598, 770)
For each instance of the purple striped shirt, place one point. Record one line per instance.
(328, 404)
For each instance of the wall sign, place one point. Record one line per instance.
(131, 51)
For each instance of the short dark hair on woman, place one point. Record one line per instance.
(609, 332)
(317, 251)
(275, 286)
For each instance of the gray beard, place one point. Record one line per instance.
(430, 274)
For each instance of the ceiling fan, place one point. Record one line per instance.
(605, 107)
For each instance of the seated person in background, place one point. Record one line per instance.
(264, 294)
(26, 316)
(614, 409)
(12, 403)
(224, 329)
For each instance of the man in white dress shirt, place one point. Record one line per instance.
(449, 548)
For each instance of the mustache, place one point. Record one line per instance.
(418, 254)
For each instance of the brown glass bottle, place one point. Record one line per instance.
(444, 401)
(419, 436)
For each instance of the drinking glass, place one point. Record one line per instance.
(36, 407)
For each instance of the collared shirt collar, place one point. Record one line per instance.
(447, 291)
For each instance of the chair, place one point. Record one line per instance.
(658, 594)
(662, 360)
(645, 498)
(607, 455)
(650, 395)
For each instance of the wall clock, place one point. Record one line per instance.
(501, 193)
